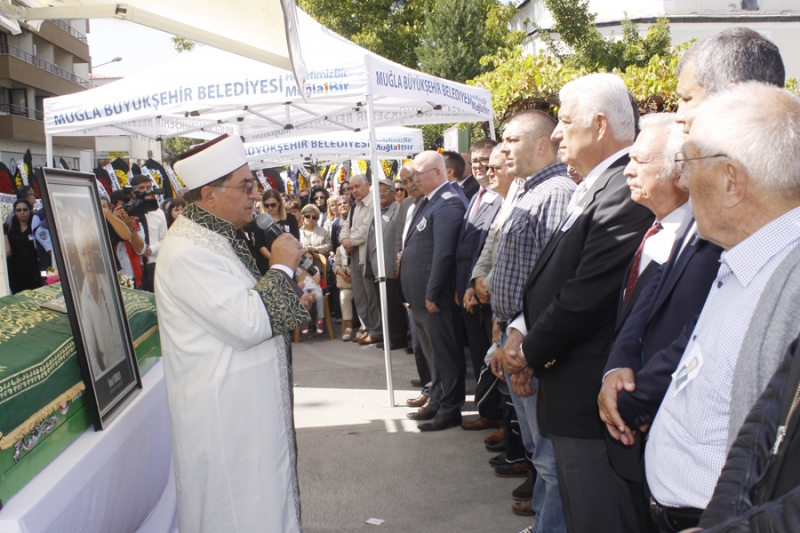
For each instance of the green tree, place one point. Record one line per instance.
(387, 27)
(183, 45)
(458, 33)
(174, 146)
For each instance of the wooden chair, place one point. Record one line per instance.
(321, 262)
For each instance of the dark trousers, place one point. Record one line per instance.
(398, 318)
(445, 360)
(148, 283)
(591, 489)
(479, 342)
(419, 356)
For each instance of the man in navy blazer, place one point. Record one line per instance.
(427, 282)
(479, 216)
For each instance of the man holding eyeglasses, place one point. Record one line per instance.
(427, 279)
(222, 330)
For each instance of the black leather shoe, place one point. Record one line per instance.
(416, 383)
(439, 423)
(498, 460)
(524, 492)
(424, 413)
(410, 350)
(497, 447)
(519, 469)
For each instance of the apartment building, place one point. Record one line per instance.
(33, 66)
(777, 20)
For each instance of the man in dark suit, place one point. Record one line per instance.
(455, 172)
(653, 181)
(427, 281)
(570, 304)
(470, 182)
(479, 216)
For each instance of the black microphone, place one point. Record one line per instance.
(265, 222)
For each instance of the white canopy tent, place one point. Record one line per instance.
(263, 30)
(208, 92)
(330, 147)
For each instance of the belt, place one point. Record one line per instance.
(674, 518)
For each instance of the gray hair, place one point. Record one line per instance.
(603, 93)
(734, 56)
(674, 139)
(763, 138)
(361, 177)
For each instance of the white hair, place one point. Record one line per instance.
(603, 93)
(674, 139)
(757, 125)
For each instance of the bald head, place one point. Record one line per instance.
(429, 171)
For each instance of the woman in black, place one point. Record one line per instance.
(319, 199)
(22, 258)
(272, 204)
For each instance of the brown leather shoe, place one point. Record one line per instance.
(359, 335)
(367, 341)
(522, 508)
(480, 423)
(495, 437)
(419, 401)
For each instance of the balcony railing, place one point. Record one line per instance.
(20, 111)
(11, 50)
(64, 25)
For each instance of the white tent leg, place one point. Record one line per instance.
(492, 133)
(377, 173)
(5, 290)
(48, 150)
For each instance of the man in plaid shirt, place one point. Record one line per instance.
(541, 205)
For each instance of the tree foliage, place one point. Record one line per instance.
(173, 147)
(389, 28)
(458, 33)
(183, 45)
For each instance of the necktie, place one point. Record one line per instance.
(417, 212)
(580, 190)
(633, 276)
(477, 206)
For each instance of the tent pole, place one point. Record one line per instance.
(48, 150)
(377, 172)
(492, 133)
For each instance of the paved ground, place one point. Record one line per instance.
(361, 459)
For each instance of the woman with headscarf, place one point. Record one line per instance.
(21, 256)
(319, 199)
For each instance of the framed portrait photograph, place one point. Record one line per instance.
(88, 272)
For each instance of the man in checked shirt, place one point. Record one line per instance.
(541, 205)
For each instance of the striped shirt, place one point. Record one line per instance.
(687, 444)
(541, 205)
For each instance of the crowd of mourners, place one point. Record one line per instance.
(623, 288)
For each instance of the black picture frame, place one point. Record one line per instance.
(87, 268)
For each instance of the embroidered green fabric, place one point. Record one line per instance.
(282, 304)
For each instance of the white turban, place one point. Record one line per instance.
(219, 159)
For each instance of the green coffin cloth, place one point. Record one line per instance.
(38, 362)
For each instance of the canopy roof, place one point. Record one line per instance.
(393, 143)
(263, 30)
(207, 92)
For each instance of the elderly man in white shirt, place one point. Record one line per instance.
(743, 174)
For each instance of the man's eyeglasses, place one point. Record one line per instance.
(315, 217)
(385, 192)
(415, 174)
(681, 165)
(480, 161)
(270, 205)
(248, 189)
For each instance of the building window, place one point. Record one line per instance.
(14, 102)
(749, 5)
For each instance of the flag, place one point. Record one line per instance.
(158, 173)
(6, 180)
(23, 170)
(63, 164)
(104, 181)
(122, 171)
(135, 170)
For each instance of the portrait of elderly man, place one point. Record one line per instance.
(225, 355)
(742, 171)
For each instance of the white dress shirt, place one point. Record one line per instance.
(658, 247)
(687, 443)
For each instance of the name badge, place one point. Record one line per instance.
(688, 370)
(422, 224)
(30, 237)
(385, 218)
(573, 216)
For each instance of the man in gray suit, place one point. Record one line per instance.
(398, 324)
(427, 277)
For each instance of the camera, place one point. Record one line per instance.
(140, 204)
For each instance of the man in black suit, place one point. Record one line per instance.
(427, 281)
(570, 304)
(479, 216)
(470, 182)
